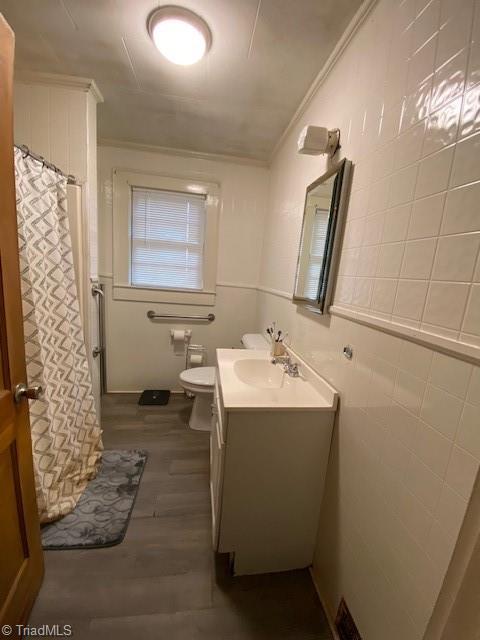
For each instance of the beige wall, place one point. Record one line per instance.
(56, 117)
(139, 352)
(406, 449)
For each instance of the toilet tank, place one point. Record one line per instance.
(255, 341)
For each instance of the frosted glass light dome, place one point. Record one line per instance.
(180, 35)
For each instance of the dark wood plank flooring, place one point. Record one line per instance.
(164, 581)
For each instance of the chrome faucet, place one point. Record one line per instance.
(290, 368)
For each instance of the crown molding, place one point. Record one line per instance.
(152, 148)
(86, 85)
(354, 25)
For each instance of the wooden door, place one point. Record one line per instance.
(21, 560)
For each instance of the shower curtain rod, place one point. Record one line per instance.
(27, 152)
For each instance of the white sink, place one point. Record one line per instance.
(249, 380)
(259, 373)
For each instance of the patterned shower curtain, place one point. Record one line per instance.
(66, 436)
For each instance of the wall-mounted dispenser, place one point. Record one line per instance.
(314, 141)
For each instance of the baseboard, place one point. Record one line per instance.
(331, 623)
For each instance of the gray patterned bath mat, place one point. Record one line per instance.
(101, 516)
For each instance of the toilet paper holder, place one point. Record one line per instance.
(187, 334)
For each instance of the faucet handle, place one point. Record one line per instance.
(291, 368)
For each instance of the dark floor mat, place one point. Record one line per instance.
(154, 396)
(102, 514)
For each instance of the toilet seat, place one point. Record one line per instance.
(199, 376)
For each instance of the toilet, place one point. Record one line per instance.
(201, 381)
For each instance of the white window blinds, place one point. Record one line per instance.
(167, 236)
(317, 250)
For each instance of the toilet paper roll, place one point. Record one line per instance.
(178, 335)
(196, 358)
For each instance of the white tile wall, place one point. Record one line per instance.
(407, 445)
(417, 175)
(426, 217)
(404, 459)
(52, 121)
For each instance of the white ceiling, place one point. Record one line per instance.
(236, 101)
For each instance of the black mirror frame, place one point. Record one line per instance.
(338, 208)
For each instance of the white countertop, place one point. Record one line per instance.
(270, 389)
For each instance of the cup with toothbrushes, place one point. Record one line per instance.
(276, 340)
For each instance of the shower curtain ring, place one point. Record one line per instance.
(25, 150)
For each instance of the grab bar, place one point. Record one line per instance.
(99, 350)
(153, 316)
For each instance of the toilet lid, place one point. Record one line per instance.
(203, 376)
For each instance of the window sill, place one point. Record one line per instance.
(145, 294)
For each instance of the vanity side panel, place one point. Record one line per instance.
(274, 475)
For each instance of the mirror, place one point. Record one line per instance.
(325, 205)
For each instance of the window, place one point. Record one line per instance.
(317, 249)
(167, 239)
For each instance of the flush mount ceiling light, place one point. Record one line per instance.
(179, 34)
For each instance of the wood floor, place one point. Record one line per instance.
(164, 581)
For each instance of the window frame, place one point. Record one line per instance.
(123, 289)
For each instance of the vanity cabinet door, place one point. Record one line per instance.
(220, 411)
(217, 448)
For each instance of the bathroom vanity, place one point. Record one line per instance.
(269, 448)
